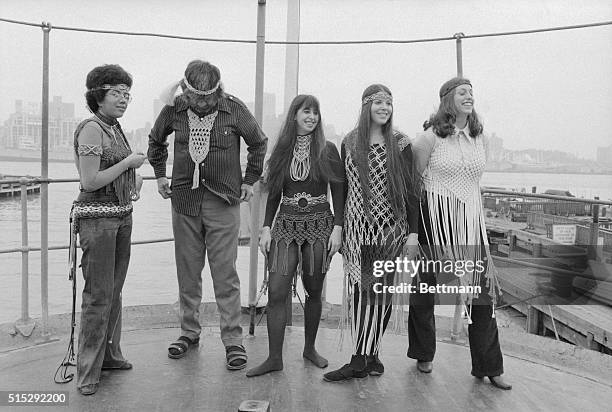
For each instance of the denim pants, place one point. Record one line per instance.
(106, 256)
(215, 230)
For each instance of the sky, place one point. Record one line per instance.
(545, 91)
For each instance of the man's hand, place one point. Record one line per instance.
(163, 187)
(246, 192)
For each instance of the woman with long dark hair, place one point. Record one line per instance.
(380, 224)
(305, 234)
(451, 156)
(102, 216)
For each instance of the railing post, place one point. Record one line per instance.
(256, 200)
(44, 188)
(594, 234)
(458, 37)
(457, 325)
(24, 325)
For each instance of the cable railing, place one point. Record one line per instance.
(24, 324)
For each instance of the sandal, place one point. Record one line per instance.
(235, 357)
(179, 348)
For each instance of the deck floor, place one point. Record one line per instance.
(200, 381)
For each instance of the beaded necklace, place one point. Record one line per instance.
(300, 162)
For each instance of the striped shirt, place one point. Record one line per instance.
(220, 172)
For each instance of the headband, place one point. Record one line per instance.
(452, 84)
(201, 92)
(167, 95)
(378, 95)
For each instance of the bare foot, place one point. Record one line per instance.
(269, 365)
(313, 356)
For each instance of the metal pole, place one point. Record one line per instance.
(24, 325)
(457, 324)
(44, 189)
(292, 52)
(594, 234)
(458, 37)
(25, 303)
(256, 200)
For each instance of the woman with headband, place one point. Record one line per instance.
(380, 224)
(305, 235)
(207, 188)
(451, 157)
(102, 217)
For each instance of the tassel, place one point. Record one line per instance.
(196, 177)
(167, 95)
(312, 259)
(273, 267)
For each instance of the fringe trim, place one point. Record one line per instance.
(458, 231)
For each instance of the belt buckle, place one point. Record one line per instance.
(302, 202)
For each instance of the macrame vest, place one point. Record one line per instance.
(451, 182)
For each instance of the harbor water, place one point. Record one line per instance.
(152, 275)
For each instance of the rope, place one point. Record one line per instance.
(338, 42)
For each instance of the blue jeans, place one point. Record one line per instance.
(106, 256)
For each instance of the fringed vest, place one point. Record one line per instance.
(121, 189)
(452, 187)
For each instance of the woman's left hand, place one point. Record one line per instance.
(411, 248)
(136, 195)
(335, 241)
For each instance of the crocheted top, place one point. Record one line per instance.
(451, 168)
(384, 228)
(314, 189)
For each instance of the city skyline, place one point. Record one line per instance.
(63, 122)
(552, 87)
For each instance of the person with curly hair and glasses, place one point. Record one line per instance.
(102, 217)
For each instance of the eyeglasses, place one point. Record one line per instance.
(116, 92)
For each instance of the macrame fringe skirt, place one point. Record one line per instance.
(309, 228)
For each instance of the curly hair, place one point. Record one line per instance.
(111, 74)
(444, 119)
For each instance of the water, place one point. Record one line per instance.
(152, 275)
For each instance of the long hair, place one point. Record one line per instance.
(280, 159)
(400, 182)
(443, 120)
(203, 76)
(111, 74)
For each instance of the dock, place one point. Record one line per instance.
(560, 289)
(14, 189)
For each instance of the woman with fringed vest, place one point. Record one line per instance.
(102, 217)
(380, 224)
(451, 156)
(305, 234)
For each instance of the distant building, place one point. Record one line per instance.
(23, 129)
(604, 155)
